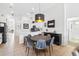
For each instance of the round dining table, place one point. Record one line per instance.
(39, 42)
(40, 37)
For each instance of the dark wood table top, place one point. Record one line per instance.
(39, 37)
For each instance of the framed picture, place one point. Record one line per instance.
(25, 26)
(51, 23)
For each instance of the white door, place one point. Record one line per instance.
(73, 30)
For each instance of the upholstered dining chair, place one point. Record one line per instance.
(25, 39)
(49, 36)
(29, 36)
(29, 44)
(41, 44)
(49, 43)
(52, 41)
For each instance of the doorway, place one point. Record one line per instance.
(73, 30)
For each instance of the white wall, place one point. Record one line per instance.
(51, 11)
(72, 10)
(10, 23)
(24, 32)
(55, 12)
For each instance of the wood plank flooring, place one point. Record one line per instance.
(17, 49)
(20, 50)
(56, 51)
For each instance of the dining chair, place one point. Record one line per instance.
(52, 41)
(29, 44)
(41, 44)
(49, 36)
(49, 43)
(29, 36)
(25, 39)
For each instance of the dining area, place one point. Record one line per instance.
(39, 43)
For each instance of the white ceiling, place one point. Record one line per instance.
(21, 9)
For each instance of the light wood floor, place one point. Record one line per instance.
(20, 50)
(56, 51)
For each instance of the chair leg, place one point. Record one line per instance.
(25, 50)
(52, 48)
(33, 48)
(36, 52)
(49, 51)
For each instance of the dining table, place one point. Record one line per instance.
(40, 37)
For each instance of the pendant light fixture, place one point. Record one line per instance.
(39, 17)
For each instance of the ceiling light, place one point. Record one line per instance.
(39, 17)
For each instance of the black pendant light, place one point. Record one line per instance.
(39, 17)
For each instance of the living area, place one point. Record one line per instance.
(36, 29)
